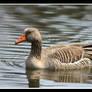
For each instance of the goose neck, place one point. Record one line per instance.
(36, 48)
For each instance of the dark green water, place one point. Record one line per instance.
(58, 24)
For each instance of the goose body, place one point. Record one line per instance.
(71, 56)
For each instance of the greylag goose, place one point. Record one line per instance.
(71, 56)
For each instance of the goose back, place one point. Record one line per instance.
(67, 54)
(72, 56)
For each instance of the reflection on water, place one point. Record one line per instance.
(33, 78)
(58, 24)
(58, 77)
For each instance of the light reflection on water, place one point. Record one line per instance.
(58, 24)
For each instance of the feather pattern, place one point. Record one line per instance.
(69, 56)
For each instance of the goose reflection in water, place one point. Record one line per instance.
(65, 76)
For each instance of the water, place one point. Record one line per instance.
(58, 24)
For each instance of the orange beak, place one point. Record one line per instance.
(21, 39)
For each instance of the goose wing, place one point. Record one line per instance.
(63, 53)
(67, 54)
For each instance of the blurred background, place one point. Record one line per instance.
(58, 24)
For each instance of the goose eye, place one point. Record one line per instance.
(28, 32)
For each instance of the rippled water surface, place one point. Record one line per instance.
(58, 24)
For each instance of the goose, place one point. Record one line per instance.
(68, 56)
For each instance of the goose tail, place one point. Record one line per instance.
(88, 50)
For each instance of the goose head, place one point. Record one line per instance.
(29, 35)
